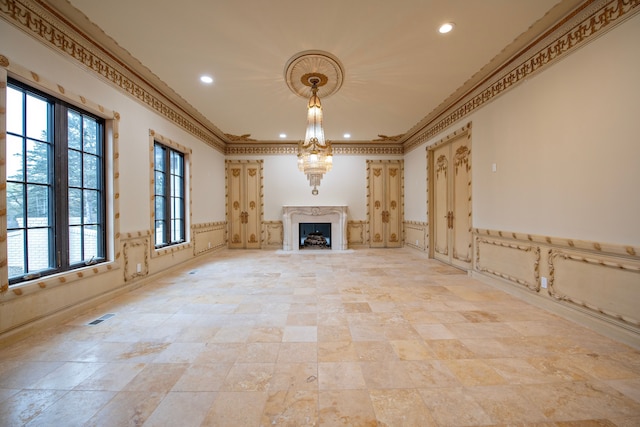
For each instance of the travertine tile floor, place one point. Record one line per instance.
(362, 337)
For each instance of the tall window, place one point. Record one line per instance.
(169, 195)
(55, 185)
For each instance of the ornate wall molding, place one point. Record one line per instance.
(599, 280)
(132, 251)
(208, 236)
(357, 233)
(54, 31)
(273, 232)
(610, 249)
(615, 265)
(208, 225)
(592, 19)
(418, 232)
(535, 250)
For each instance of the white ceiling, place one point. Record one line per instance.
(398, 68)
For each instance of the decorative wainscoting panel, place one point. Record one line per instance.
(135, 252)
(416, 235)
(603, 284)
(509, 260)
(209, 237)
(596, 279)
(273, 233)
(357, 233)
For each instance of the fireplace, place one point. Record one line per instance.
(314, 235)
(335, 217)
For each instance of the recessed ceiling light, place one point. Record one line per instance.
(206, 79)
(283, 135)
(347, 135)
(445, 28)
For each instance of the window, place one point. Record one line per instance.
(169, 196)
(55, 185)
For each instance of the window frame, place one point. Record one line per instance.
(59, 257)
(169, 195)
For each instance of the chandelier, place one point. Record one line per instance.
(320, 73)
(315, 157)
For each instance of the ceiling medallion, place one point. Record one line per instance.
(310, 65)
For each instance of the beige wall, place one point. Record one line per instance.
(566, 147)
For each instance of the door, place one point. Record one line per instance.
(385, 203)
(244, 203)
(450, 213)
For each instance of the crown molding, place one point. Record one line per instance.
(566, 28)
(64, 29)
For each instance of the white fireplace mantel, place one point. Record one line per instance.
(294, 215)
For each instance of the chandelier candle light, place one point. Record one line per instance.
(320, 73)
(315, 157)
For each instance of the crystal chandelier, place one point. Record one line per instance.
(315, 157)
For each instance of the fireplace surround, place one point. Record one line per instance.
(292, 216)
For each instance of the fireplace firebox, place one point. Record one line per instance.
(315, 235)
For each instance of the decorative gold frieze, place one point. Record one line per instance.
(267, 148)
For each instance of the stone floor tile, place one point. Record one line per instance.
(291, 408)
(340, 376)
(454, 407)
(346, 407)
(184, 409)
(240, 408)
(75, 408)
(401, 407)
(127, 408)
(365, 337)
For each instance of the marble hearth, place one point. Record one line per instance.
(292, 216)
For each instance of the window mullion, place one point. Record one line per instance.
(167, 196)
(61, 188)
